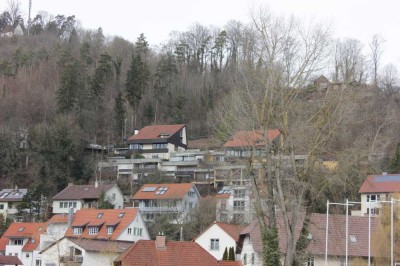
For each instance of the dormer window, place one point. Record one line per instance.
(78, 230)
(94, 230)
(110, 230)
(164, 135)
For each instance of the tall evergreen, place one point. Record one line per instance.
(225, 255)
(119, 115)
(137, 77)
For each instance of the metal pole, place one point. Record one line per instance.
(326, 233)
(347, 230)
(391, 231)
(369, 234)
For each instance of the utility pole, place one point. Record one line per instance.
(29, 16)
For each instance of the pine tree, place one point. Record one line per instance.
(394, 166)
(231, 255)
(101, 77)
(137, 78)
(119, 115)
(225, 255)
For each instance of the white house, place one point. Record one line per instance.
(129, 169)
(174, 200)
(158, 141)
(234, 205)
(22, 240)
(10, 31)
(86, 196)
(218, 237)
(10, 199)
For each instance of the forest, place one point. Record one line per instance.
(67, 86)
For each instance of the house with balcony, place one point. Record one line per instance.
(9, 201)
(158, 141)
(173, 200)
(377, 188)
(130, 169)
(234, 205)
(219, 236)
(86, 196)
(97, 237)
(244, 143)
(22, 240)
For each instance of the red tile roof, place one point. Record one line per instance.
(358, 227)
(109, 217)
(58, 218)
(10, 260)
(231, 229)
(24, 230)
(154, 132)
(174, 191)
(381, 184)
(184, 253)
(251, 138)
(77, 192)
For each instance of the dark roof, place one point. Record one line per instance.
(155, 132)
(232, 230)
(7, 195)
(381, 184)
(10, 260)
(176, 253)
(77, 192)
(358, 230)
(101, 245)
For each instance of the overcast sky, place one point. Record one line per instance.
(359, 19)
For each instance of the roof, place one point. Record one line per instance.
(176, 253)
(381, 184)
(24, 230)
(155, 132)
(232, 230)
(101, 245)
(358, 228)
(110, 217)
(58, 218)
(251, 138)
(78, 192)
(164, 191)
(10, 260)
(7, 195)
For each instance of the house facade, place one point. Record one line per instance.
(234, 205)
(158, 141)
(173, 200)
(218, 237)
(10, 31)
(9, 201)
(86, 196)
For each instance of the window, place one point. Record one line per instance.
(353, 238)
(21, 229)
(310, 261)
(27, 255)
(159, 145)
(137, 146)
(110, 230)
(121, 214)
(100, 215)
(18, 242)
(238, 205)
(61, 205)
(239, 193)
(373, 198)
(214, 244)
(113, 196)
(1, 206)
(245, 259)
(191, 194)
(38, 262)
(374, 211)
(74, 204)
(253, 258)
(190, 205)
(129, 231)
(93, 230)
(134, 231)
(77, 230)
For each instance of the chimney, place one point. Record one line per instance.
(16, 187)
(70, 216)
(160, 242)
(136, 131)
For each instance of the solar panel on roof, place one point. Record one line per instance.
(387, 178)
(149, 189)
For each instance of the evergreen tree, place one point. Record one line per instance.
(104, 203)
(231, 255)
(271, 247)
(137, 78)
(394, 167)
(142, 46)
(225, 255)
(178, 109)
(101, 77)
(119, 115)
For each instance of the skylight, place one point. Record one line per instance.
(353, 238)
(21, 229)
(100, 215)
(161, 190)
(121, 214)
(149, 189)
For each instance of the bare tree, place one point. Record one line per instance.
(376, 47)
(15, 10)
(389, 80)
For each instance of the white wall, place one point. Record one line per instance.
(215, 232)
(365, 205)
(62, 248)
(58, 210)
(119, 198)
(136, 223)
(248, 249)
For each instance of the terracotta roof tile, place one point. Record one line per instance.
(145, 253)
(174, 191)
(381, 184)
(10, 260)
(251, 138)
(24, 230)
(231, 229)
(58, 218)
(87, 217)
(154, 132)
(77, 192)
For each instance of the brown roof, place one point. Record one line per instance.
(231, 229)
(24, 230)
(101, 245)
(182, 253)
(154, 132)
(251, 138)
(10, 260)
(58, 218)
(174, 191)
(358, 227)
(381, 184)
(77, 192)
(86, 217)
